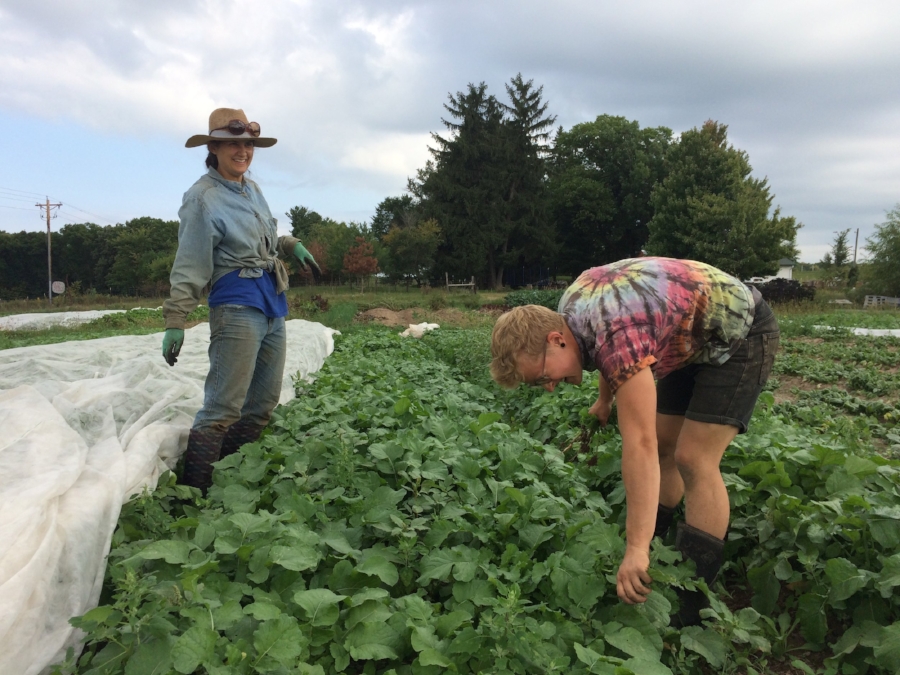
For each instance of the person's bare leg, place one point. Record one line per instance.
(698, 453)
(671, 485)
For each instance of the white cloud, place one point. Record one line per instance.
(352, 89)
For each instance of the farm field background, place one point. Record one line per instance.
(405, 515)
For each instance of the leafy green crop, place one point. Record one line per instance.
(403, 516)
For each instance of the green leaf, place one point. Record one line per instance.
(585, 590)
(846, 579)
(709, 644)
(173, 552)
(811, 612)
(423, 637)
(437, 565)
(632, 643)
(151, 658)
(890, 575)
(295, 558)
(372, 641)
(320, 604)
(432, 657)
(280, 640)
(448, 623)
(766, 588)
(593, 660)
(467, 641)
(402, 406)
(262, 611)
(371, 611)
(887, 652)
(381, 567)
(340, 655)
(484, 420)
(479, 592)
(647, 667)
(196, 646)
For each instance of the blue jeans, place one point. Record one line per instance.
(246, 366)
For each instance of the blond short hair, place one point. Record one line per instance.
(522, 331)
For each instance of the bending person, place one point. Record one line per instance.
(709, 339)
(228, 238)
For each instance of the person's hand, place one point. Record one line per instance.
(171, 347)
(632, 576)
(307, 261)
(601, 409)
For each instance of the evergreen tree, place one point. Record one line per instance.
(602, 175)
(484, 186)
(709, 208)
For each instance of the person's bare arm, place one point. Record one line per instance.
(640, 473)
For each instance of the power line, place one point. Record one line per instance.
(21, 192)
(16, 199)
(3, 206)
(89, 213)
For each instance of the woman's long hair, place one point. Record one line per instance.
(212, 162)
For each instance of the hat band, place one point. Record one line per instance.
(221, 133)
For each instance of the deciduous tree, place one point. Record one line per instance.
(602, 174)
(412, 249)
(302, 221)
(360, 261)
(390, 212)
(884, 256)
(709, 208)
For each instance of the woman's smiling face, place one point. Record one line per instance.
(234, 158)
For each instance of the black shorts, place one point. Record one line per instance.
(724, 394)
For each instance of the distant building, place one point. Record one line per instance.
(785, 269)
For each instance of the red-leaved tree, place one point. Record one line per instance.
(360, 261)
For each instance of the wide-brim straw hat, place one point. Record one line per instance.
(220, 118)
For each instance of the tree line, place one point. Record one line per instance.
(502, 191)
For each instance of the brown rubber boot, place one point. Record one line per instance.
(707, 552)
(239, 434)
(204, 446)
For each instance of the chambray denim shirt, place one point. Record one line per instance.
(224, 226)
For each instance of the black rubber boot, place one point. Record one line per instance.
(239, 434)
(204, 446)
(707, 552)
(664, 516)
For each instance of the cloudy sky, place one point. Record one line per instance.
(98, 96)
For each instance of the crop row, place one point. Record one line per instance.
(403, 517)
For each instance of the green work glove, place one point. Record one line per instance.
(172, 341)
(306, 259)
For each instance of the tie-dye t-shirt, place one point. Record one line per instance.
(657, 312)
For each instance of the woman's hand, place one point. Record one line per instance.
(171, 346)
(601, 409)
(307, 261)
(632, 576)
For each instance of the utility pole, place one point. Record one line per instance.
(855, 245)
(47, 208)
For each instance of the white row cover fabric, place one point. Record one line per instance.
(42, 320)
(417, 330)
(872, 332)
(83, 427)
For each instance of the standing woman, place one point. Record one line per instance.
(228, 238)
